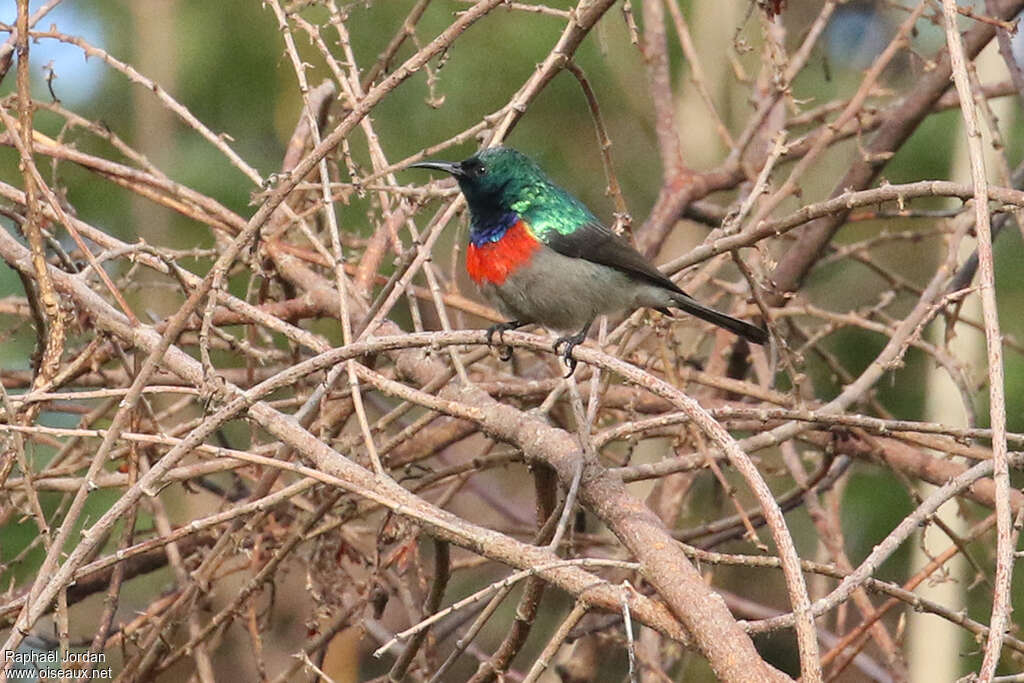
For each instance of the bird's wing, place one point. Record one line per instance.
(594, 242)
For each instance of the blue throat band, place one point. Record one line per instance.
(491, 229)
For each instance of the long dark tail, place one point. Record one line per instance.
(751, 333)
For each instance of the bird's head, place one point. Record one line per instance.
(495, 179)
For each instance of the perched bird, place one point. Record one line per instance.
(540, 256)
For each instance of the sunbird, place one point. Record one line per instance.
(539, 255)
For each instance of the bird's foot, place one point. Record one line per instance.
(571, 341)
(505, 352)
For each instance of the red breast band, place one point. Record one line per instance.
(494, 261)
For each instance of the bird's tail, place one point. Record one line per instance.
(751, 333)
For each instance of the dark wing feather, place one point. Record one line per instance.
(594, 242)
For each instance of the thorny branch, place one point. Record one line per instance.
(430, 436)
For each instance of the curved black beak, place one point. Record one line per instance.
(452, 167)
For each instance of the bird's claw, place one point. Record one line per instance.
(490, 334)
(570, 342)
(505, 351)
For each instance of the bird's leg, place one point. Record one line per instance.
(505, 353)
(571, 342)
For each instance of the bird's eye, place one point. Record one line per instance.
(481, 170)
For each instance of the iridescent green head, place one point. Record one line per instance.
(500, 180)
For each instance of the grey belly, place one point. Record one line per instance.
(563, 293)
